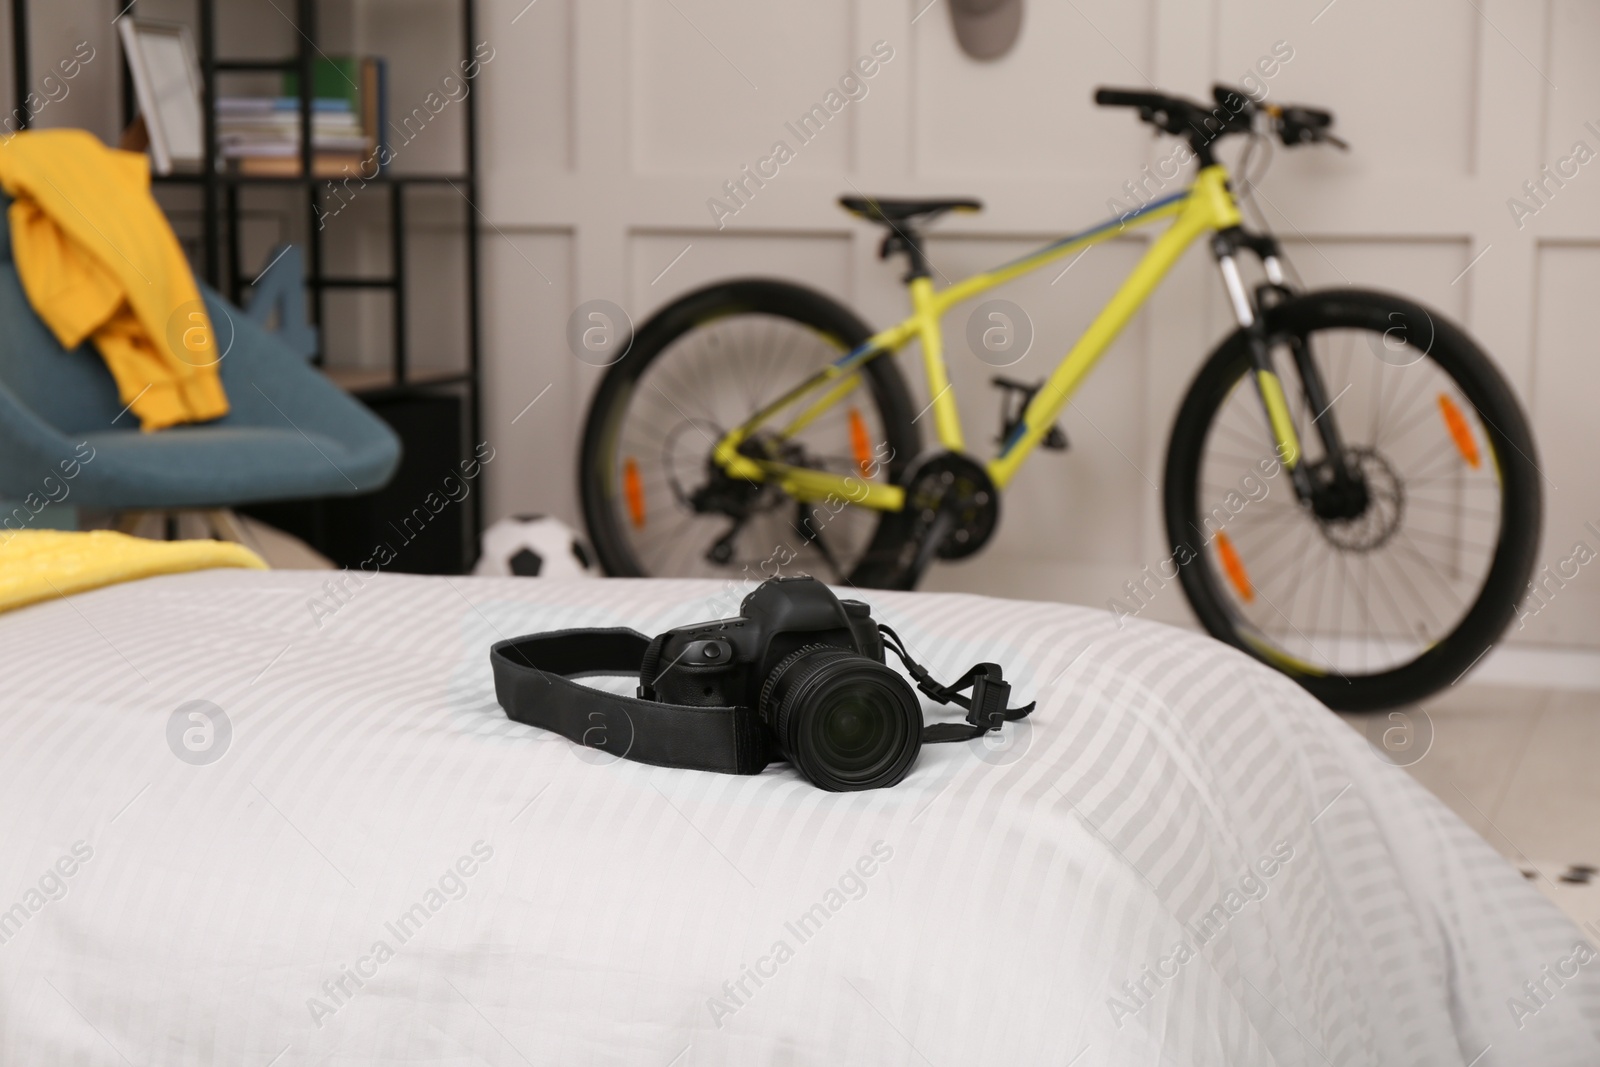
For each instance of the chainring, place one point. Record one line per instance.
(958, 486)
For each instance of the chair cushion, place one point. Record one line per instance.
(72, 391)
(202, 466)
(290, 433)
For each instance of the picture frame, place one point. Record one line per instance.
(167, 83)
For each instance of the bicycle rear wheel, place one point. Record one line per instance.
(655, 503)
(1397, 595)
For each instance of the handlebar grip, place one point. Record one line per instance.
(1130, 98)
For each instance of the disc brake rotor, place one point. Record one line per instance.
(1385, 507)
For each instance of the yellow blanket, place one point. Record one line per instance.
(98, 259)
(41, 564)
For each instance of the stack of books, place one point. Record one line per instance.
(260, 135)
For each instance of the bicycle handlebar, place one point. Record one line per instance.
(1131, 98)
(1233, 112)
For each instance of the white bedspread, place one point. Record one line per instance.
(1181, 859)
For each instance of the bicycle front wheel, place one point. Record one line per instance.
(1377, 595)
(656, 504)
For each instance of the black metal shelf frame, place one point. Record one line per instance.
(221, 209)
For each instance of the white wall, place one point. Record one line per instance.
(608, 123)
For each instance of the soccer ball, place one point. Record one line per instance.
(534, 546)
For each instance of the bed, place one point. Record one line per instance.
(272, 818)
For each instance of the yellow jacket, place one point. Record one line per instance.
(98, 259)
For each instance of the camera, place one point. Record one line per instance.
(811, 666)
(798, 674)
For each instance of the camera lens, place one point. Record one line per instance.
(845, 721)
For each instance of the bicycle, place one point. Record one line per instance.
(1415, 492)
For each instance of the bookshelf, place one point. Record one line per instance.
(419, 392)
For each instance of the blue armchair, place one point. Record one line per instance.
(291, 433)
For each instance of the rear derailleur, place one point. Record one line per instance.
(740, 499)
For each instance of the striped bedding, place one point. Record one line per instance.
(278, 818)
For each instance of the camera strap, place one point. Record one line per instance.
(986, 707)
(533, 682)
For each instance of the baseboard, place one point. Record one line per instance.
(1518, 664)
(1539, 668)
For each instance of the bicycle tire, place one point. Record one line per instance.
(879, 565)
(1513, 452)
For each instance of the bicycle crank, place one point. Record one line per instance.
(953, 507)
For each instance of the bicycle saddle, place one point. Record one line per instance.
(889, 212)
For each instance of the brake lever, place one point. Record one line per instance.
(1304, 124)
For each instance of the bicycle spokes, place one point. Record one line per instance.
(685, 514)
(1394, 541)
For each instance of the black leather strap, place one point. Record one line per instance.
(532, 681)
(986, 708)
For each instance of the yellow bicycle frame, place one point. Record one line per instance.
(1204, 207)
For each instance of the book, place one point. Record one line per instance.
(281, 149)
(257, 105)
(332, 78)
(375, 107)
(330, 165)
(261, 135)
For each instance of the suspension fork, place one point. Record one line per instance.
(1269, 388)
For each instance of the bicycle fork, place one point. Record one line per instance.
(1247, 311)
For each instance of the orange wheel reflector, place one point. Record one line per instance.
(1233, 567)
(633, 492)
(1456, 423)
(860, 443)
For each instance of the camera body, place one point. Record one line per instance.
(812, 667)
(726, 662)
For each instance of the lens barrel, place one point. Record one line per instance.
(846, 722)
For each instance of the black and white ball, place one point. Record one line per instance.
(534, 546)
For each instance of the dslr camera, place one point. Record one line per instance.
(799, 675)
(811, 666)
